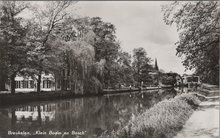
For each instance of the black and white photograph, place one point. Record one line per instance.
(109, 69)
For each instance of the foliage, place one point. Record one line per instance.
(78, 66)
(107, 48)
(13, 40)
(168, 78)
(105, 45)
(141, 65)
(125, 70)
(45, 20)
(83, 53)
(198, 24)
(164, 119)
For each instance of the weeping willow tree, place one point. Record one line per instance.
(78, 70)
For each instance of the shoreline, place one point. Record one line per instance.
(164, 119)
(22, 98)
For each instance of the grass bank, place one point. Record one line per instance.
(163, 120)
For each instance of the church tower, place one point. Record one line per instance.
(156, 66)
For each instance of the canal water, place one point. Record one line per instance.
(82, 117)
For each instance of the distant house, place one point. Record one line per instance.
(28, 84)
(191, 79)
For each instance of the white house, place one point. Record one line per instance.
(191, 79)
(28, 84)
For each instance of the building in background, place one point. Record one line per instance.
(28, 84)
(191, 79)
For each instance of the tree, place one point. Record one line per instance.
(169, 78)
(141, 65)
(105, 44)
(13, 39)
(125, 68)
(3, 65)
(82, 70)
(79, 69)
(121, 70)
(106, 47)
(199, 30)
(46, 20)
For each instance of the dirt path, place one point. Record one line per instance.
(204, 122)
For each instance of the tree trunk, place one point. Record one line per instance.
(63, 81)
(108, 80)
(75, 90)
(39, 82)
(13, 117)
(2, 83)
(13, 83)
(39, 115)
(63, 84)
(55, 84)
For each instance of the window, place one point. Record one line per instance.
(46, 83)
(195, 79)
(31, 84)
(25, 84)
(192, 79)
(18, 84)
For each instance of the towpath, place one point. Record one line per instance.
(204, 122)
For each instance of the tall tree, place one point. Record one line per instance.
(13, 39)
(199, 31)
(80, 65)
(46, 19)
(106, 47)
(3, 65)
(125, 68)
(141, 64)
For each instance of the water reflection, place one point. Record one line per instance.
(90, 115)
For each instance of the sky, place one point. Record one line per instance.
(139, 24)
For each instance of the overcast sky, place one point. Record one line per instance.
(139, 24)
